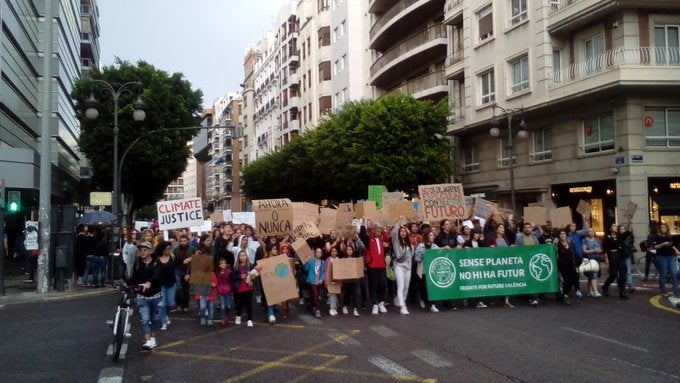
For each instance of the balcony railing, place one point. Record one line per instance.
(450, 4)
(455, 57)
(422, 83)
(556, 5)
(389, 15)
(410, 43)
(614, 59)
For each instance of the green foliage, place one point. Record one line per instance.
(391, 141)
(155, 160)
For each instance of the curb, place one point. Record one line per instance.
(26, 297)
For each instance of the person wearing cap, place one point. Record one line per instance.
(147, 277)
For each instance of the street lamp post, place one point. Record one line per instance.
(509, 114)
(115, 90)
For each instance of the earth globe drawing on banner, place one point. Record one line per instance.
(541, 267)
(282, 270)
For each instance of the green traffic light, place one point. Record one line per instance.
(13, 207)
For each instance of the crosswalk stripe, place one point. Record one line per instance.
(384, 331)
(348, 341)
(309, 319)
(390, 367)
(431, 358)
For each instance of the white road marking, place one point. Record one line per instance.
(111, 375)
(647, 368)
(431, 358)
(309, 319)
(384, 331)
(346, 341)
(390, 367)
(605, 339)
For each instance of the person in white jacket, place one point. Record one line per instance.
(403, 257)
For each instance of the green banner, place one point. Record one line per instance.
(375, 194)
(487, 271)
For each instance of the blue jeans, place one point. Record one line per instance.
(90, 262)
(667, 264)
(226, 304)
(100, 270)
(207, 308)
(629, 275)
(167, 301)
(149, 313)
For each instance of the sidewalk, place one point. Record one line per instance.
(17, 291)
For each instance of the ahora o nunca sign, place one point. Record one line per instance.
(179, 213)
(273, 216)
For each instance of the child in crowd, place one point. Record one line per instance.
(223, 278)
(351, 288)
(243, 288)
(206, 299)
(332, 297)
(316, 272)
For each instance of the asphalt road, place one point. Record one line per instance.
(601, 340)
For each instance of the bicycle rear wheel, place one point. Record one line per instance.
(119, 334)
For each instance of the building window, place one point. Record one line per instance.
(342, 62)
(335, 34)
(504, 153)
(594, 49)
(665, 127)
(667, 43)
(519, 11)
(485, 23)
(471, 158)
(520, 74)
(541, 145)
(324, 36)
(598, 133)
(336, 65)
(324, 5)
(557, 66)
(488, 87)
(342, 28)
(324, 71)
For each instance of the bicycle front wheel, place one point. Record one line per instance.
(118, 334)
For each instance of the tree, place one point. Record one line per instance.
(392, 141)
(155, 160)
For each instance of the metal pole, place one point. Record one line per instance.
(45, 156)
(2, 251)
(114, 201)
(512, 164)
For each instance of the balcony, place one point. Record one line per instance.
(294, 102)
(432, 86)
(294, 59)
(621, 66)
(294, 79)
(391, 26)
(416, 50)
(453, 12)
(455, 64)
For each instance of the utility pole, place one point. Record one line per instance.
(43, 274)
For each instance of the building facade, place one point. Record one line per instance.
(596, 84)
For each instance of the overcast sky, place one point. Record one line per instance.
(204, 39)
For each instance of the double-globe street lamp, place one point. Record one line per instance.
(510, 115)
(115, 90)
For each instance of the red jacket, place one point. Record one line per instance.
(375, 251)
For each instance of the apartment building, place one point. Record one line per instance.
(409, 45)
(587, 92)
(246, 141)
(201, 148)
(267, 118)
(75, 41)
(288, 59)
(220, 140)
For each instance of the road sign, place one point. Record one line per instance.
(100, 198)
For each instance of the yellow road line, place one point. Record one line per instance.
(183, 341)
(335, 360)
(656, 302)
(274, 351)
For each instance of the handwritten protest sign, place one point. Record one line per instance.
(584, 208)
(442, 201)
(631, 207)
(306, 230)
(344, 215)
(389, 197)
(244, 217)
(469, 206)
(273, 216)
(375, 194)
(277, 279)
(305, 212)
(333, 286)
(366, 209)
(536, 215)
(484, 209)
(303, 251)
(560, 217)
(201, 272)
(327, 218)
(179, 213)
(217, 217)
(348, 268)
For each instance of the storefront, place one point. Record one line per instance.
(601, 195)
(664, 202)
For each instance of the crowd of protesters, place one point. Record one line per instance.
(394, 263)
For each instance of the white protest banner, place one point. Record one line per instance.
(139, 225)
(179, 213)
(226, 214)
(442, 201)
(273, 216)
(244, 217)
(31, 234)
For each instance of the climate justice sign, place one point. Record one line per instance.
(486, 272)
(179, 213)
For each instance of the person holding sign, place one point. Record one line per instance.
(351, 288)
(428, 243)
(243, 288)
(377, 269)
(528, 237)
(332, 297)
(665, 259)
(316, 274)
(403, 257)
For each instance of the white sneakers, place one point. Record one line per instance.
(396, 302)
(333, 312)
(381, 307)
(344, 310)
(403, 310)
(355, 313)
(164, 327)
(434, 309)
(149, 344)
(237, 320)
(272, 319)
(481, 305)
(594, 294)
(375, 310)
(422, 303)
(579, 295)
(250, 323)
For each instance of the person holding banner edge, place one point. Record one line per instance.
(529, 237)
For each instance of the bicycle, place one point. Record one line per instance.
(121, 320)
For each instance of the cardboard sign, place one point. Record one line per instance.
(584, 208)
(631, 207)
(306, 230)
(217, 217)
(179, 213)
(442, 201)
(327, 218)
(536, 215)
(273, 216)
(344, 215)
(277, 279)
(305, 212)
(401, 209)
(484, 209)
(560, 217)
(245, 217)
(469, 206)
(390, 197)
(303, 251)
(346, 231)
(366, 209)
(201, 272)
(348, 268)
(333, 286)
(375, 194)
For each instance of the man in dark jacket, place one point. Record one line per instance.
(146, 276)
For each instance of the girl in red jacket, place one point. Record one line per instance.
(375, 262)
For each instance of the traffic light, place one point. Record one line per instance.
(13, 201)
